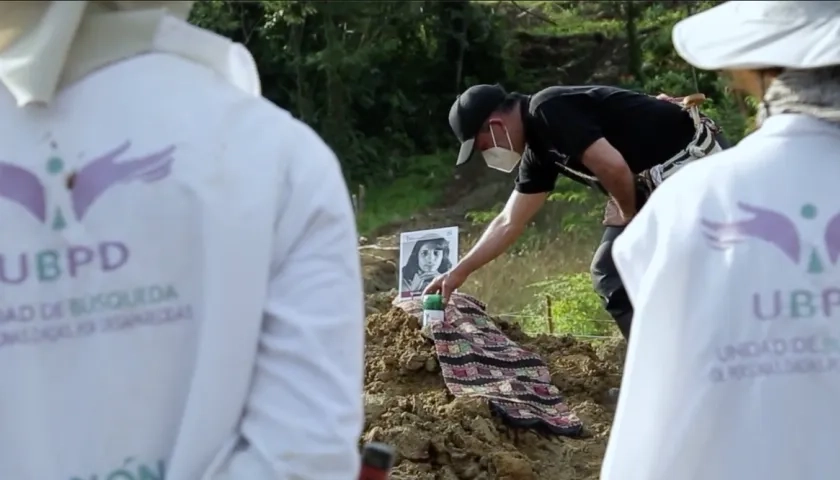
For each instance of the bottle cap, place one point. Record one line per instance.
(433, 301)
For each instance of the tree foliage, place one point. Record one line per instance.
(377, 78)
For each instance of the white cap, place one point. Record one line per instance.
(755, 35)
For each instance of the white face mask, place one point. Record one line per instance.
(502, 159)
(499, 158)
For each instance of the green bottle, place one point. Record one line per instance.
(433, 308)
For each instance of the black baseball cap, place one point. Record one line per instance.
(469, 112)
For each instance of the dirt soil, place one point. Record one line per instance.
(440, 437)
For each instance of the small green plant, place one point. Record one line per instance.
(483, 217)
(584, 207)
(575, 308)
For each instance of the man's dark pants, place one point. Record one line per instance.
(608, 284)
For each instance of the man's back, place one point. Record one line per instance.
(147, 208)
(646, 131)
(733, 366)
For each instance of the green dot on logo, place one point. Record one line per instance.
(808, 211)
(55, 165)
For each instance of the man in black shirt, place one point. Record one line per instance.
(620, 142)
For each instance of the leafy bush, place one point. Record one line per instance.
(584, 207)
(375, 79)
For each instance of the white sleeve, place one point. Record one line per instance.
(305, 413)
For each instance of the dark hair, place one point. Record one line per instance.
(412, 266)
(511, 101)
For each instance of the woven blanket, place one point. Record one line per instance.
(477, 359)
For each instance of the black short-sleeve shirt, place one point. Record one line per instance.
(562, 122)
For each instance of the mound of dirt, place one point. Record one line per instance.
(379, 267)
(440, 437)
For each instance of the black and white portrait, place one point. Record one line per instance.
(424, 255)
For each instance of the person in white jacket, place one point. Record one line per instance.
(180, 289)
(733, 369)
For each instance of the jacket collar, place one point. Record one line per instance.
(46, 45)
(793, 124)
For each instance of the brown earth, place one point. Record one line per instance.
(440, 437)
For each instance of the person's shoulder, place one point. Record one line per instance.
(188, 101)
(547, 94)
(626, 97)
(734, 161)
(555, 94)
(162, 82)
(706, 176)
(217, 102)
(531, 157)
(570, 97)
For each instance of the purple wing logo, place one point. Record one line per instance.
(766, 225)
(22, 187)
(832, 238)
(102, 173)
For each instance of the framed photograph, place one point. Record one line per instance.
(424, 255)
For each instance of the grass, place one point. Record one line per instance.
(419, 188)
(550, 261)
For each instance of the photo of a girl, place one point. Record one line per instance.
(431, 253)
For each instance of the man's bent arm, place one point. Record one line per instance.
(503, 230)
(304, 414)
(615, 175)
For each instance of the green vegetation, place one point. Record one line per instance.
(376, 80)
(551, 260)
(417, 188)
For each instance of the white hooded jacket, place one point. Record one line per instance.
(180, 292)
(733, 367)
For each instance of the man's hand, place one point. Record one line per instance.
(627, 217)
(614, 174)
(500, 234)
(613, 216)
(446, 284)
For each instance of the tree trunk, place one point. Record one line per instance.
(454, 20)
(634, 48)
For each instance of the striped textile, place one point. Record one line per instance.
(702, 145)
(478, 360)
